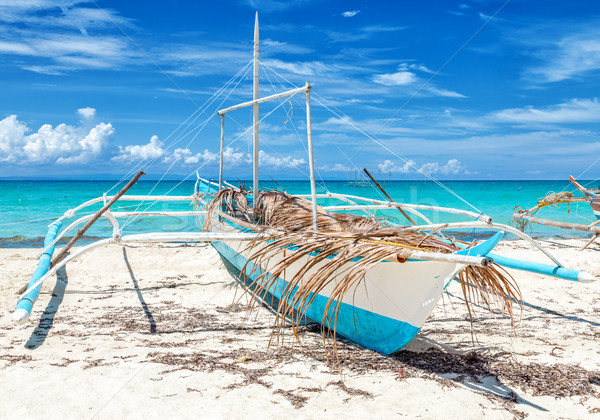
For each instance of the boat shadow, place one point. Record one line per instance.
(140, 296)
(469, 369)
(422, 353)
(40, 333)
(537, 308)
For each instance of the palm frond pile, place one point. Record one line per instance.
(343, 249)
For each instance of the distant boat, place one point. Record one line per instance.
(359, 180)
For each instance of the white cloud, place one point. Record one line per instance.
(279, 162)
(573, 111)
(569, 57)
(452, 167)
(443, 92)
(350, 13)
(87, 113)
(389, 166)
(395, 79)
(56, 33)
(63, 144)
(338, 167)
(136, 153)
(407, 75)
(187, 157)
(306, 68)
(362, 33)
(464, 6)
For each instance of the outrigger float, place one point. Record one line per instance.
(523, 217)
(323, 256)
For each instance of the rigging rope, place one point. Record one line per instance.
(398, 155)
(181, 136)
(200, 167)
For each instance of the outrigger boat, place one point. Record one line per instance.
(323, 256)
(523, 217)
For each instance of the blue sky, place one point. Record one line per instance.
(471, 89)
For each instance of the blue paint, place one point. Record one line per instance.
(549, 270)
(368, 329)
(483, 248)
(28, 300)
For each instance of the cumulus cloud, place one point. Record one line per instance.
(154, 150)
(280, 161)
(389, 166)
(63, 144)
(87, 113)
(136, 153)
(452, 167)
(350, 13)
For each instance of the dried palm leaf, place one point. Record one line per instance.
(341, 252)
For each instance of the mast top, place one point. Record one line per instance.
(256, 29)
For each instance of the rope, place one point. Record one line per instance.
(201, 166)
(555, 198)
(300, 138)
(181, 136)
(202, 126)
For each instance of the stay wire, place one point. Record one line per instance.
(398, 155)
(141, 163)
(291, 121)
(190, 142)
(201, 166)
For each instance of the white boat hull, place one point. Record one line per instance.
(384, 312)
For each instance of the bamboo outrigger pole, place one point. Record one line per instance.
(80, 233)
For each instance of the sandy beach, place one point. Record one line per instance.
(149, 331)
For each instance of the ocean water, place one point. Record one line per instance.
(27, 207)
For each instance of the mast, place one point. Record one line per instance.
(255, 126)
(311, 159)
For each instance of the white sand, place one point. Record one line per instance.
(88, 350)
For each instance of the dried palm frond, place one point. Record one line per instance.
(342, 251)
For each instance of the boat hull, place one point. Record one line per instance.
(383, 313)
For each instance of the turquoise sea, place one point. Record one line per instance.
(27, 207)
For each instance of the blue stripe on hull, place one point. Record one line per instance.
(368, 329)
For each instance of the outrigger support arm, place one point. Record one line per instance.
(21, 316)
(79, 234)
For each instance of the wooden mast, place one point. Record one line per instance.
(255, 126)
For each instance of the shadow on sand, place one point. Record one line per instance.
(39, 334)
